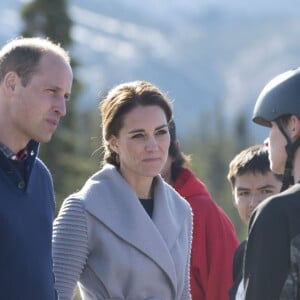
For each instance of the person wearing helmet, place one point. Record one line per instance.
(272, 260)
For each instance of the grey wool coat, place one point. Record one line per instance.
(104, 239)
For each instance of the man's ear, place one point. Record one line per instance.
(114, 144)
(294, 126)
(10, 82)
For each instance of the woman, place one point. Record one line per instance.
(127, 234)
(214, 237)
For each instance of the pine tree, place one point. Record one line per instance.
(48, 18)
(66, 155)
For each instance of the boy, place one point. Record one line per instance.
(251, 181)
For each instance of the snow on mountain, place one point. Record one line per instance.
(202, 54)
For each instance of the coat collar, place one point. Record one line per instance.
(108, 197)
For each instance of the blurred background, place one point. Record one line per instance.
(212, 58)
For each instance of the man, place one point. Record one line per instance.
(214, 237)
(272, 258)
(251, 181)
(35, 83)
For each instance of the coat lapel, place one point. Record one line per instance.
(110, 199)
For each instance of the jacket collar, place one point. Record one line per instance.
(108, 197)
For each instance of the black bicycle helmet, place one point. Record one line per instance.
(280, 97)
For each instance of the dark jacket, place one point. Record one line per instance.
(272, 260)
(237, 269)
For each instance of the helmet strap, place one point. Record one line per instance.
(290, 149)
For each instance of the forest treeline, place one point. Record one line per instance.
(74, 152)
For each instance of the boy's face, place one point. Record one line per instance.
(251, 189)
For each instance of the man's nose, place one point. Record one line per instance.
(60, 106)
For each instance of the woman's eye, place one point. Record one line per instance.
(162, 132)
(137, 136)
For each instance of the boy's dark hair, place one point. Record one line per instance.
(251, 160)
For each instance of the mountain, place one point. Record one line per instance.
(208, 55)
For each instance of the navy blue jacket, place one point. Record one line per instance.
(26, 214)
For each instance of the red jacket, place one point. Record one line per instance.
(214, 241)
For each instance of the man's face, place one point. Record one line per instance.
(36, 109)
(276, 143)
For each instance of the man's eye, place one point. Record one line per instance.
(67, 97)
(267, 192)
(51, 91)
(243, 194)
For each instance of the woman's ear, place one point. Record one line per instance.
(114, 144)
